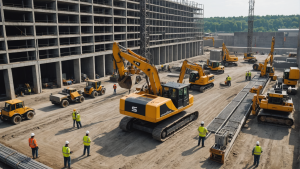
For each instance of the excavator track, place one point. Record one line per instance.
(163, 130)
(173, 125)
(203, 88)
(276, 117)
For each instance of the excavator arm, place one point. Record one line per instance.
(125, 81)
(225, 52)
(272, 51)
(269, 59)
(187, 65)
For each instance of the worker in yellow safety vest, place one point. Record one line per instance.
(249, 75)
(78, 120)
(202, 134)
(257, 150)
(66, 153)
(228, 80)
(86, 143)
(74, 117)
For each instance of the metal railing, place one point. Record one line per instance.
(43, 7)
(19, 47)
(46, 45)
(67, 33)
(46, 33)
(45, 21)
(68, 43)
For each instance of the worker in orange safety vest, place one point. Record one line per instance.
(34, 146)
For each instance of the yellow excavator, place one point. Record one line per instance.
(249, 57)
(275, 108)
(208, 38)
(157, 108)
(214, 66)
(289, 81)
(268, 69)
(198, 79)
(228, 60)
(260, 65)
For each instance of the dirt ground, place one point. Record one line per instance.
(113, 148)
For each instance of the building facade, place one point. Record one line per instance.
(47, 40)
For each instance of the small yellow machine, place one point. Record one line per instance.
(270, 56)
(94, 88)
(208, 38)
(249, 57)
(158, 108)
(15, 110)
(198, 78)
(289, 82)
(66, 96)
(228, 60)
(214, 66)
(275, 108)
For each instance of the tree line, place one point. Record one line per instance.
(268, 23)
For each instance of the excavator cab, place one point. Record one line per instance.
(215, 64)
(177, 92)
(270, 69)
(194, 75)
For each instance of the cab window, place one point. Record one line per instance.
(165, 92)
(98, 84)
(180, 93)
(173, 93)
(12, 107)
(19, 105)
(7, 107)
(89, 84)
(185, 92)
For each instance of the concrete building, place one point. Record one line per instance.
(47, 40)
(298, 48)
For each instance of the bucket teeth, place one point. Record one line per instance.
(127, 82)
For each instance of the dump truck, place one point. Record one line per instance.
(66, 96)
(94, 88)
(15, 111)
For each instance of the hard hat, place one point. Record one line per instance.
(74, 109)
(87, 132)
(32, 134)
(257, 143)
(228, 75)
(67, 142)
(202, 122)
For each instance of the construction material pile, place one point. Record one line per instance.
(19, 161)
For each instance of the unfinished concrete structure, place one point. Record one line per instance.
(298, 48)
(46, 40)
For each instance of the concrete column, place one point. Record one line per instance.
(162, 51)
(170, 53)
(175, 52)
(187, 49)
(9, 83)
(167, 54)
(100, 66)
(36, 76)
(77, 70)
(183, 51)
(109, 65)
(298, 48)
(156, 56)
(58, 71)
(179, 52)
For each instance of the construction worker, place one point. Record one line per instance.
(66, 152)
(162, 67)
(202, 133)
(249, 76)
(169, 68)
(78, 120)
(34, 146)
(74, 117)
(115, 89)
(246, 76)
(86, 143)
(228, 79)
(257, 150)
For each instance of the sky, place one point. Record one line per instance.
(229, 8)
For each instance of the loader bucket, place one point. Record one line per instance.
(127, 82)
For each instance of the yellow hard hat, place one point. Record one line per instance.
(74, 109)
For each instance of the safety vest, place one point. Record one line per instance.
(162, 66)
(29, 90)
(66, 151)
(249, 73)
(115, 86)
(202, 131)
(257, 150)
(32, 143)
(74, 115)
(78, 117)
(228, 78)
(86, 140)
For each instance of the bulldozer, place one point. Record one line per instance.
(289, 81)
(94, 88)
(214, 66)
(66, 96)
(198, 79)
(228, 60)
(270, 56)
(156, 108)
(15, 111)
(274, 108)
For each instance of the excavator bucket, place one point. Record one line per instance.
(127, 82)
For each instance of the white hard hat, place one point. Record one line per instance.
(87, 132)
(257, 143)
(202, 122)
(67, 142)
(32, 134)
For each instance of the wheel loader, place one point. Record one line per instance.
(15, 111)
(289, 81)
(94, 88)
(66, 96)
